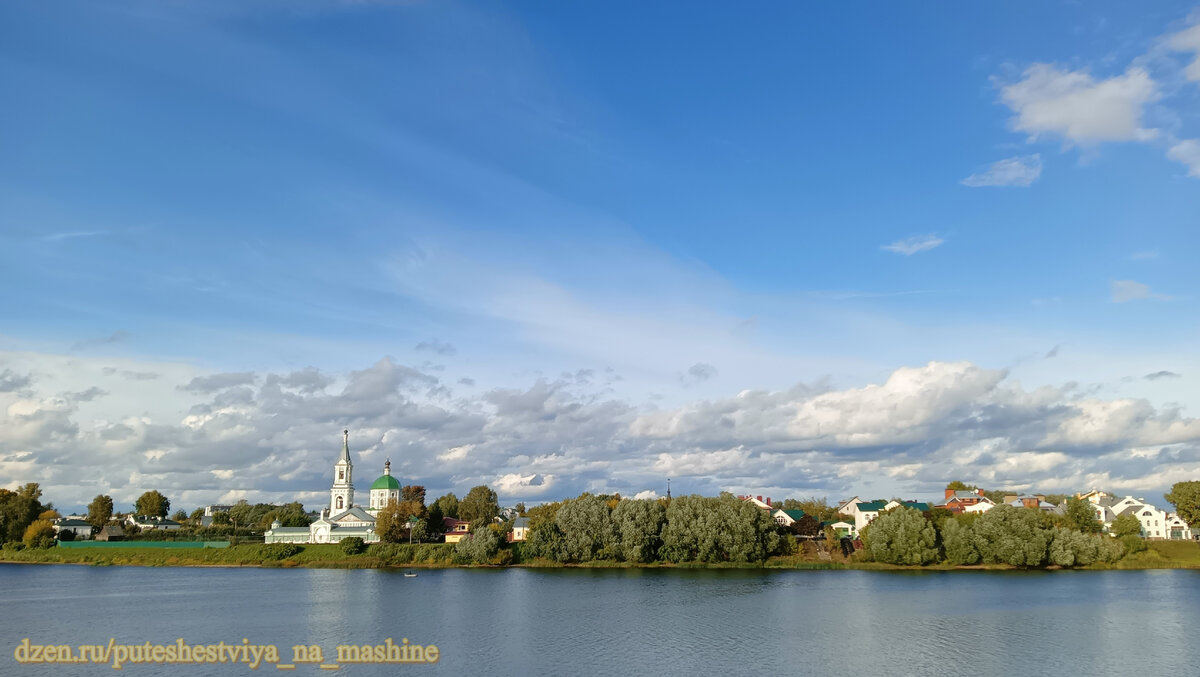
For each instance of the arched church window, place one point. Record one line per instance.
(339, 502)
(341, 474)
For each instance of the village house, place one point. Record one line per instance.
(957, 501)
(80, 529)
(455, 529)
(1155, 523)
(865, 512)
(111, 533)
(1033, 502)
(520, 530)
(787, 517)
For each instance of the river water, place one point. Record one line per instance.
(623, 621)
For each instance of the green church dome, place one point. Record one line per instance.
(386, 482)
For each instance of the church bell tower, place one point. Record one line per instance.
(341, 496)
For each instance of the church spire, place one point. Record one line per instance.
(387, 467)
(345, 446)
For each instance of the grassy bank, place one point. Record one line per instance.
(1158, 555)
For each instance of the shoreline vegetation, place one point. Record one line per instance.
(1158, 555)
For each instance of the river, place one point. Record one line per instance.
(624, 621)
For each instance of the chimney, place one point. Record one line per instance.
(979, 491)
(768, 500)
(759, 498)
(949, 493)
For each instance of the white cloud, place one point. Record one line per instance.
(1187, 152)
(1124, 291)
(1078, 108)
(1013, 171)
(915, 244)
(906, 433)
(517, 485)
(1188, 40)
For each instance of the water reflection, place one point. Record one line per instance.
(585, 621)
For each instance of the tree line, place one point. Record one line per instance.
(1003, 535)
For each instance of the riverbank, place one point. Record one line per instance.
(1159, 555)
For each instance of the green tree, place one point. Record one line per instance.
(958, 540)
(1008, 535)
(1071, 548)
(180, 516)
(18, 509)
(196, 516)
(241, 514)
(903, 536)
(152, 504)
(807, 526)
(1185, 496)
(1081, 516)
(960, 486)
(1126, 525)
(291, 515)
(39, 534)
(419, 531)
(638, 526)
(391, 523)
(477, 547)
(100, 511)
(588, 527)
(448, 505)
(479, 505)
(434, 519)
(520, 508)
(717, 530)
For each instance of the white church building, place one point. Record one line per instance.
(343, 519)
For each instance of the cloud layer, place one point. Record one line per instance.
(273, 436)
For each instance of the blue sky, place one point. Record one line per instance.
(625, 210)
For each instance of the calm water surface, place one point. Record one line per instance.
(561, 622)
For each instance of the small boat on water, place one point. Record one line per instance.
(410, 574)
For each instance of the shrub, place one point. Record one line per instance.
(1133, 544)
(1126, 525)
(278, 551)
(353, 545)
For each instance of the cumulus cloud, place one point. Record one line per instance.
(915, 244)
(1014, 171)
(275, 437)
(1187, 153)
(1123, 291)
(1072, 105)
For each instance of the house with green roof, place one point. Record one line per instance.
(787, 517)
